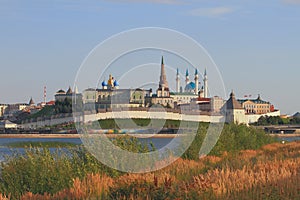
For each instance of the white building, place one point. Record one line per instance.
(234, 112)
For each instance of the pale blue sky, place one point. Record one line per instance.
(256, 44)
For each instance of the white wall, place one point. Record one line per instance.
(254, 118)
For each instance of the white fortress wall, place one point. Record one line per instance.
(254, 118)
(142, 115)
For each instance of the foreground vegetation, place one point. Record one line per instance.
(243, 165)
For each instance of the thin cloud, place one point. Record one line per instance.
(212, 12)
(151, 1)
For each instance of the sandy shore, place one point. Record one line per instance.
(78, 136)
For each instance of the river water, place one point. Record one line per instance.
(7, 151)
(158, 143)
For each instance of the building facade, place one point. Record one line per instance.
(256, 106)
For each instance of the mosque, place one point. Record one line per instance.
(192, 86)
(111, 96)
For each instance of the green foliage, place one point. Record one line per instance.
(50, 144)
(40, 171)
(37, 171)
(112, 123)
(63, 106)
(276, 120)
(232, 139)
(44, 112)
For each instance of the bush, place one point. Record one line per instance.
(39, 170)
(232, 139)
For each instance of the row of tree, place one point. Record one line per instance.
(276, 120)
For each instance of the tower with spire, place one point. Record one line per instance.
(196, 81)
(177, 81)
(187, 79)
(205, 83)
(163, 89)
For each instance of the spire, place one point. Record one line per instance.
(163, 78)
(232, 95)
(177, 81)
(196, 71)
(205, 74)
(69, 90)
(31, 102)
(187, 72)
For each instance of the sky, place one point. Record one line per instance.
(255, 44)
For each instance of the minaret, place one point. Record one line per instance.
(45, 94)
(177, 81)
(205, 85)
(163, 83)
(187, 79)
(163, 89)
(196, 81)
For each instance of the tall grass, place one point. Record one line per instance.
(236, 169)
(273, 174)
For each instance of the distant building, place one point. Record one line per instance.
(61, 95)
(110, 96)
(6, 124)
(256, 106)
(183, 97)
(3, 107)
(234, 112)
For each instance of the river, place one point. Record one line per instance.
(158, 143)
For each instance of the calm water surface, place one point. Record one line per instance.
(6, 151)
(158, 143)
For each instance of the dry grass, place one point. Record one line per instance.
(272, 170)
(92, 186)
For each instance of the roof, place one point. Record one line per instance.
(190, 86)
(258, 100)
(51, 103)
(31, 102)
(203, 99)
(104, 83)
(69, 91)
(232, 103)
(60, 91)
(183, 94)
(116, 83)
(297, 115)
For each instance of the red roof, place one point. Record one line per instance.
(50, 103)
(203, 99)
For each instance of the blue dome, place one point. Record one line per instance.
(190, 86)
(104, 84)
(116, 83)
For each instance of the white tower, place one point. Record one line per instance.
(205, 85)
(187, 79)
(177, 81)
(196, 82)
